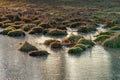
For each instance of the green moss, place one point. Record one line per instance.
(75, 50)
(102, 38)
(57, 32)
(39, 53)
(26, 47)
(113, 42)
(16, 33)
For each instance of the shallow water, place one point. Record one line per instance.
(96, 63)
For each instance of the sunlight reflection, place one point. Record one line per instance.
(93, 67)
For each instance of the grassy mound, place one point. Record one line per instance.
(61, 27)
(3, 18)
(27, 20)
(45, 31)
(105, 33)
(26, 47)
(75, 25)
(113, 42)
(74, 38)
(75, 50)
(86, 29)
(71, 40)
(48, 42)
(17, 26)
(28, 27)
(53, 23)
(57, 32)
(13, 17)
(115, 28)
(18, 22)
(101, 38)
(39, 53)
(1, 24)
(46, 26)
(7, 30)
(7, 25)
(35, 30)
(86, 42)
(16, 33)
(56, 45)
(81, 46)
(110, 24)
(37, 22)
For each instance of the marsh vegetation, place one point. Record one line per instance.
(72, 27)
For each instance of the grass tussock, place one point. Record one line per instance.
(80, 46)
(101, 38)
(112, 42)
(71, 40)
(56, 45)
(39, 53)
(86, 29)
(49, 41)
(7, 30)
(16, 33)
(115, 28)
(28, 27)
(35, 30)
(25, 46)
(57, 32)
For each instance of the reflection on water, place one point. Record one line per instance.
(94, 64)
(90, 66)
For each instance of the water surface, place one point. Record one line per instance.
(97, 63)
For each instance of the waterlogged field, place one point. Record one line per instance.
(59, 40)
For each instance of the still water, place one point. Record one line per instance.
(97, 63)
